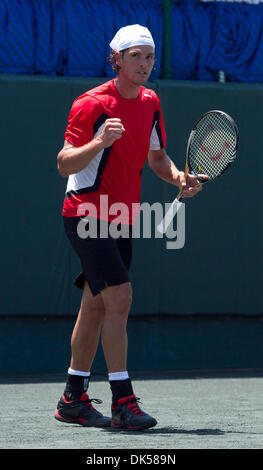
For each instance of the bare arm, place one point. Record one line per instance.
(164, 167)
(73, 159)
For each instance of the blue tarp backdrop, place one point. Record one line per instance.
(71, 37)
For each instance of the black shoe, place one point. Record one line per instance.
(128, 415)
(81, 411)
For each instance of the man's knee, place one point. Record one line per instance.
(118, 299)
(92, 307)
(124, 298)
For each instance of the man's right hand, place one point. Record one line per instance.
(112, 130)
(73, 159)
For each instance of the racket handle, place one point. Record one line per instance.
(164, 224)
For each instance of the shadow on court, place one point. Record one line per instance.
(170, 430)
(220, 411)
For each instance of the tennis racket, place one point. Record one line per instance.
(211, 149)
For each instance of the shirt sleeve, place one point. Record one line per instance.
(158, 134)
(82, 116)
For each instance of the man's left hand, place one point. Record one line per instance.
(191, 185)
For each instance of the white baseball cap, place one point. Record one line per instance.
(131, 35)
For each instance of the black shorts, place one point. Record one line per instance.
(104, 261)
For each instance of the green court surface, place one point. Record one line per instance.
(193, 412)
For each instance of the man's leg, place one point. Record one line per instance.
(75, 405)
(126, 413)
(84, 342)
(117, 301)
(86, 333)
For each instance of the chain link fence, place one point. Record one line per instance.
(195, 40)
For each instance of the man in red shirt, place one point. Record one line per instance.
(111, 131)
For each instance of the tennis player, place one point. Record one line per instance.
(111, 131)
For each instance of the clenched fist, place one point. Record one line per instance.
(112, 130)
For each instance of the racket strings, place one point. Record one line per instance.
(213, 145)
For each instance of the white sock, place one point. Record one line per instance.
(119, 375)
(78, 372)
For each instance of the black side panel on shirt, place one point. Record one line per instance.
(156, 119)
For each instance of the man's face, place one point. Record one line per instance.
(136, 64)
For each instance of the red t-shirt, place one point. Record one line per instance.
(110, 184)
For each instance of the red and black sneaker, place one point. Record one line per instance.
(128, 415)
(81, 411)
